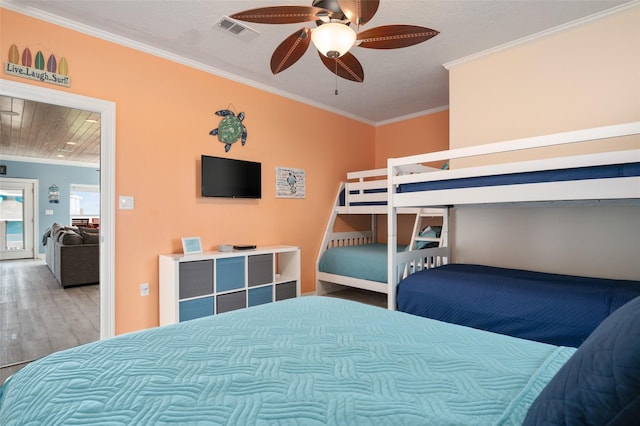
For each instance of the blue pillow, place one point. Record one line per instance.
(430, 232)
(600, 384)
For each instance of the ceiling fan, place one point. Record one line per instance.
(334, 36)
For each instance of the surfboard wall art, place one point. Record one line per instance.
(20, 65)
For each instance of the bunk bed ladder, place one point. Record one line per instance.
(333, 239)
(443, 239)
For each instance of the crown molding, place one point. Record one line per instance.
(546, 33)
(49, 161)
(414, 115)
(123, 41)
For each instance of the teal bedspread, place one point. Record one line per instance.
(311, 360)
(365, 261)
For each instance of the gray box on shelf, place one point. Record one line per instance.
(231, 301)
(260, 269)
(286, 290)
(197, 278)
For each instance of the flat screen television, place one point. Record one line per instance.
(229, 178)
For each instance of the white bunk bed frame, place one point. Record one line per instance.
(591, 190)
(355, 192)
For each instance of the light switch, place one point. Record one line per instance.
(126, 202)
(48, 212)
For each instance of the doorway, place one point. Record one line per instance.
(18, 220)
(106, 109)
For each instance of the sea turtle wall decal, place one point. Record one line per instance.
(230, 128)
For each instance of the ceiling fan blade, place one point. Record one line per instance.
(359, 12)
(281, 14)
(290, 50)
(348, 67)
(394, 36)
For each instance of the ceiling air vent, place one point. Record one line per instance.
(237, 29)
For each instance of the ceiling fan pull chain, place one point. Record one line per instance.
(336, 92)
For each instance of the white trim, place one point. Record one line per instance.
(554, 139)
(325, 277)
(49, 161)
(596, 189)
(83, 187)
(35, 219)
(34, 187)
(107, 111)
(542, 34)
(414, 115)
(104, 35)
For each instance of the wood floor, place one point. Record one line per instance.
(364, 296)
(39, 317)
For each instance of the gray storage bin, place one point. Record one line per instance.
(196, 278)
(286, 290)
(260, 268)
(231, 301)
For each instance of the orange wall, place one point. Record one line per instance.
(164, 112)
(427, 133)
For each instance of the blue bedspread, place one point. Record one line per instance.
(364, 261)
(550, 308)
(311, 361)
(609, 171)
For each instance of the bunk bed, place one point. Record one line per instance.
(551, 308)
(355, 258)
(326, 361)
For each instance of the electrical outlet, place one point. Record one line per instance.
(144, 289)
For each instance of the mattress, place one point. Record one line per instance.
(578, 173)
(342, 199)
(550, 308)
(363, 261)
(310, 360)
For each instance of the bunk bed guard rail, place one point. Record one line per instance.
(624, 166)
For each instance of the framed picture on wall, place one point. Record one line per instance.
(191, 245)
(290, 183)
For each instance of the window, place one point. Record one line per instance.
(85, 204)
(11, 220)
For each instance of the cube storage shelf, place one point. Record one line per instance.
(215, 282)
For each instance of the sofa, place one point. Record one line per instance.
(72, 254)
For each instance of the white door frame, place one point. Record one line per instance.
(107, 111)
(30, 233)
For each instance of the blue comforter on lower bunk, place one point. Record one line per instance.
(364, 261)
(311, 361)
(550, 308)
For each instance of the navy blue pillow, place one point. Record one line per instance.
(600, 384)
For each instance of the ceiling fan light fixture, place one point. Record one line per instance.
(333, 39)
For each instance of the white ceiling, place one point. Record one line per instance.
(398, 83)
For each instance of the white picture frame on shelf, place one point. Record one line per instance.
(191, 245)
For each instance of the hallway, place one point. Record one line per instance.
(38, 316)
